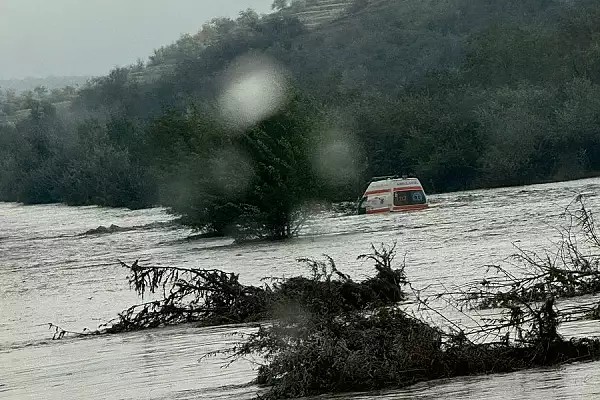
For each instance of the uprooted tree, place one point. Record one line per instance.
(215, 297)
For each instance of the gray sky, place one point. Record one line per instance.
(88, 37)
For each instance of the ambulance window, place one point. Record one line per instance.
(400, 198)
(409, 197)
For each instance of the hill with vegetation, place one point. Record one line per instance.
(464, 94)
(50, 83)
(315, 13)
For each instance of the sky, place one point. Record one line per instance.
(40, 38)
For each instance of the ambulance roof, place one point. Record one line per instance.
(394, 183)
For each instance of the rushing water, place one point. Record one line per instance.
(51, 272)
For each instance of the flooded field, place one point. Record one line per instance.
(51, 272)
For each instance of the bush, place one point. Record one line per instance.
(350, 353)
(250, 184)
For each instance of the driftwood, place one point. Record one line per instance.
(215, 297)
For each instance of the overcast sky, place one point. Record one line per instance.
(88, 37)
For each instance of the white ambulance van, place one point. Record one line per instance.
(392, 194)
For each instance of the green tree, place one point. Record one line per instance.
(248, 184)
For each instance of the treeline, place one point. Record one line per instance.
(462, 93)
(12, 102)
(50, 82)
(50, 157)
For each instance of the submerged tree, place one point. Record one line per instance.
(252, 183)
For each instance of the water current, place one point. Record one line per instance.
(51, 272)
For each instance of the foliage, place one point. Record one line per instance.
(249, 184)
(47, 160)
(349, 353)
(463, 94)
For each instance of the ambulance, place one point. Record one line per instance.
(392, 194)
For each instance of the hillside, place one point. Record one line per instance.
(463, 93)
(314, 13)
(51, 82)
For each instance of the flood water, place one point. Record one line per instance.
(51, 273)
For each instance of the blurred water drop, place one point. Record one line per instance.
(231, 170)
(255, 89)
(336, 159)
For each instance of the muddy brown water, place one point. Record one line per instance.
(50, 272)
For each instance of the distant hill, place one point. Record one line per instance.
(51, 82)
(464, 94)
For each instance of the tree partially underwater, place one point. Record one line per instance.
(328, 333)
